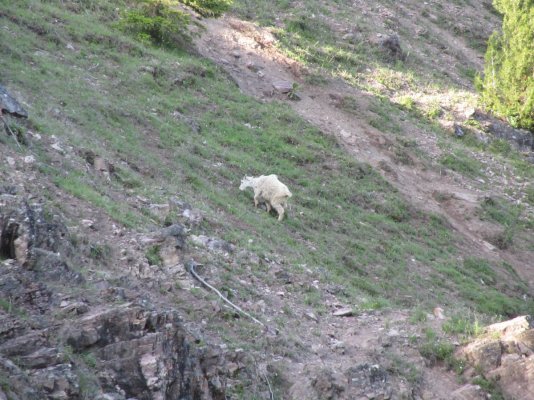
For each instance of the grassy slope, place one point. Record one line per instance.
(95, 88)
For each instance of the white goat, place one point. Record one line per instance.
(268, 189)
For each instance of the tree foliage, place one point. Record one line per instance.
(165, 22)
(507, 86)
(208, 8)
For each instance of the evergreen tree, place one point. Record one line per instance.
(507, 86)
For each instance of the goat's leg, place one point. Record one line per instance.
(280, 210)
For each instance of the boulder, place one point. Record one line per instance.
(8, 104)
(505, 354)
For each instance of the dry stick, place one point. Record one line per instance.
(270, 389)
(264, 376)
(10, 131)
(191, 268)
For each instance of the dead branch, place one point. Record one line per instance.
(191, 268)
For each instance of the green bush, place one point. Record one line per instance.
(507, 86)
(209, 8)
(157, 22)
(165, 22)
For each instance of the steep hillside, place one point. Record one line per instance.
(403, 235)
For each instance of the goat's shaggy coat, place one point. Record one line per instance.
(268, 189)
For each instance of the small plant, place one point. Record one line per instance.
(292, 94)
(7, 306)
(434, 112)
(489, 386)
(100, 252)
(152, 256)
(407, 102)
(418, 315)
(436, 350)
(460, 324)
(89, 359)
(68, 353)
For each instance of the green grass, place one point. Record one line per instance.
(462, 324)
(489, 386)
(135, 105)
(152, 256)
(458, 160)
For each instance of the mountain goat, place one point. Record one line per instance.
(268, 189)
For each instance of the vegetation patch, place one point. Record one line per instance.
(175, 125)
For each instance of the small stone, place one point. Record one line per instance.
(438, 313)
(469, 112)
(29, 159)
(344, 312)
(283, 86)
(10, 161)
(393, 333)
(311, 316)
(57, 147)
(458, 131)
(87, 223)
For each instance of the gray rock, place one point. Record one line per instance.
(458, 131)
(520, 138)
(283, 86)
(20, 386)
(10, 105)
(213, 244)
(193, 216)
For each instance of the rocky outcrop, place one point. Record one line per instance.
(36, 241)
(121, 352)
(522, 139)
(10, 105)
(505, 354)
(59, 339)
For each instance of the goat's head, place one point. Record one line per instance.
(246, 182)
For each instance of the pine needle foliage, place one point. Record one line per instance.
(507, 87)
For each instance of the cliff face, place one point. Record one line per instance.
(61, 339)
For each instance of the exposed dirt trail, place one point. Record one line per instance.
(247, 53)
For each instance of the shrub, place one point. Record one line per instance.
(155, 21)
(507, 87)
(165, 22)
(209, 8)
